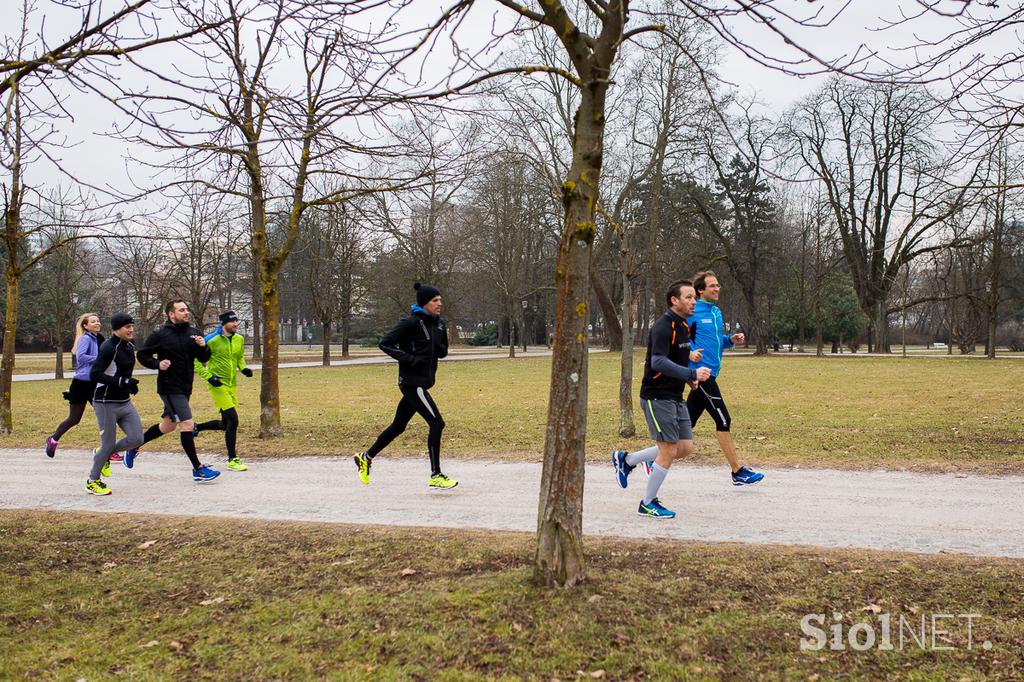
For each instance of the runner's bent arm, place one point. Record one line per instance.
(241, 353)
(202, 370)
(147, 354)
(202, 353)
(98, 373)
(442, 351)
(87, 352)
(661, 341)
(389, 342)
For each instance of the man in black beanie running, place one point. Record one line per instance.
(417, 342)
(173, 349)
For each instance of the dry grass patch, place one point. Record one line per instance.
(168, 598)
(919, 414)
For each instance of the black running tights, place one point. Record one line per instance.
(74, 416)
(415, 400)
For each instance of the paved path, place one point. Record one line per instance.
(365, 360)
(882, 510)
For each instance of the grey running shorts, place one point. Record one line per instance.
(667, 420)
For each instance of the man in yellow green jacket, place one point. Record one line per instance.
(227, 358)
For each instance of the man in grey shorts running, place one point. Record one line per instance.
(112, 402)
(661, 398)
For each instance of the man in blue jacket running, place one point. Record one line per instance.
(709, 336)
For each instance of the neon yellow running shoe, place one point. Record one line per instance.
(105, 471)
(97, 488)
(235, 464)
(442, 482)
(363, 465)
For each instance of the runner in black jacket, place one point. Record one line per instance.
(111, 373)
(417, 342)
(661, 398)
(173, 349)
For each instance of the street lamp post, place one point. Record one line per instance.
(522, 324)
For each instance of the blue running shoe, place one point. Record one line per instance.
(746, 476)
(204, 474)
(655, 510)
(646, 466)
(622, 470)
(129, 457)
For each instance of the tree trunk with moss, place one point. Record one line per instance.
(559, 558)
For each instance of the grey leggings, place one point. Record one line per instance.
(110, 416)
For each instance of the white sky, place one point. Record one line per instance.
(102, 160)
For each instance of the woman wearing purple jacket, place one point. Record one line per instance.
(86, 347)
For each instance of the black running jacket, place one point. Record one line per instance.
(417, 342)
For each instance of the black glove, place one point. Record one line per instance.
(67, 396)
(130, 383)
(215, 381)
(247, 372)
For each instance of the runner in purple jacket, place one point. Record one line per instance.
(86, 347)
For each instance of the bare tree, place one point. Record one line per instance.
(195, 249)
(141, 274)
(871, 148)
(99, 40)
(275, 144)
(331, 253)
(61, 281)
(31, 74)
(509, 236)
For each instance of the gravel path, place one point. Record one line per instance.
(881, 510)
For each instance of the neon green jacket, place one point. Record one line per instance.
(227, 357)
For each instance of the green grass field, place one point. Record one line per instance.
(115, 596)
(918, 414)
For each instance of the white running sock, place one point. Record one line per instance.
(658, 474)
(646, 455)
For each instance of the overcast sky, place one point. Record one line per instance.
(100, 159)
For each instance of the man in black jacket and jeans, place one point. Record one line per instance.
(417, 342)
(173, 349)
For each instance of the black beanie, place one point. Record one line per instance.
(424, 293)
(228, 316)
(120, 320)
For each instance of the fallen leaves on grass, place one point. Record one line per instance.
(211, 602)
(872, 608)
(406, 572)
(147, 544)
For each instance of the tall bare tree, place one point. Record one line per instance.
(871, 147)
(32, 72)
(274, 135)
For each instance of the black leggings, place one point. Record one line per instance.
(229, 422)
(707, 396)
(75, 413)
(414, 400)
